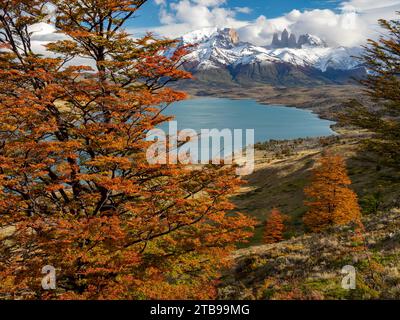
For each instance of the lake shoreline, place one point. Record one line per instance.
(277, 122)
(325, 101)
(336, 124)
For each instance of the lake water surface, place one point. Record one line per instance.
(269, 122)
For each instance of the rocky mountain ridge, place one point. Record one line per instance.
(287, 40)
(219, 56)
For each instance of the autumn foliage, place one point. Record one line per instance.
(76, 190)
(274, 227)
(330, 201)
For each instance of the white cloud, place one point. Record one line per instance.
(350, 25)
(245, 10)
(366, 5)
(210, 3)
(345, 28)
(182, 16)
(201, 13)
(45, 32)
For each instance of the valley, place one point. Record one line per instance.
(308, 266)
(305, 265)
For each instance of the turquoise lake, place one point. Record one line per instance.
(268, 121)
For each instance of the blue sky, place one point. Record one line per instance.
(149, 14)
(347, 23)
(338, 22)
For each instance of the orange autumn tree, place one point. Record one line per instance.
(274, 227)
(330, 200)
(76, 189)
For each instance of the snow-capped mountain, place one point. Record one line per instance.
(220, 53)
(215, 48)
(321, 58)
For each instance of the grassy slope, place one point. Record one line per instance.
(307, 266)
(283, 169)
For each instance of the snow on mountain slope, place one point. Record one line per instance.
(309, 41)
(320, 58)
(217, 48)
(340, 58)
(301, 57)
(214, 48)
(199, 36)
